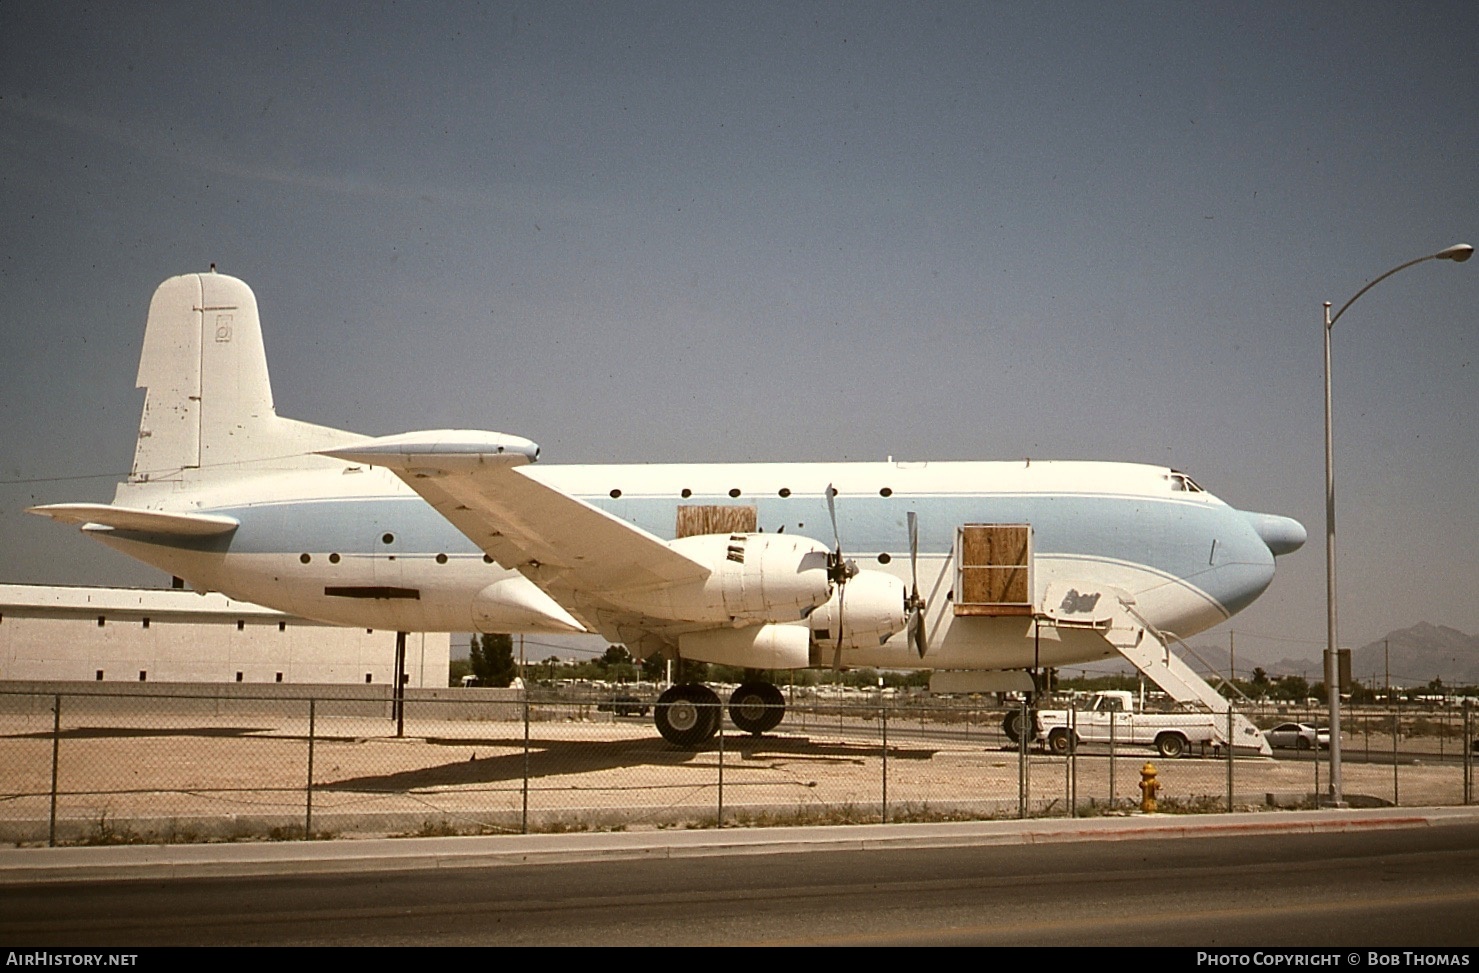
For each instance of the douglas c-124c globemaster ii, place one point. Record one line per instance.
(978, 570)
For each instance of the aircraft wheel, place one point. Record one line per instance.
(1170, 745)
(687, 715)
(757, 707)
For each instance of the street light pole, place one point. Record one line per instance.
(1458, 254)
(1332, 681)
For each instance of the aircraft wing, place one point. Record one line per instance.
(574, 551)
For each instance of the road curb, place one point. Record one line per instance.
(135, 862)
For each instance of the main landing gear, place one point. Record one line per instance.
(687, 715)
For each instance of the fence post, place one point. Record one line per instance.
(1396, 726)
(524, 813)
(1024, 728)
(1468, 753)
(1114, 722)
(56, 740)
(308, 817)
(1442, 728)
(721, 765)
(1230, 757)
(883, 717)
(1319, 799)
(1070, 765)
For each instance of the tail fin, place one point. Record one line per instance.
(208, 405)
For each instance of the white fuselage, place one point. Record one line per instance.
(353, 545)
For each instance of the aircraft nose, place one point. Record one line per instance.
(1283, 535)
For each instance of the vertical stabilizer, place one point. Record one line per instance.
(169, 433)
(208, 400)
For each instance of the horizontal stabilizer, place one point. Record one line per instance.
(131, 518)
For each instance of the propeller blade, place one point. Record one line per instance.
(840, 571)
(832, 513)
(914, 551)
(837, 651)
(918, 636)
(914, 605)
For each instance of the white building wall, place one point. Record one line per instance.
(52, 633)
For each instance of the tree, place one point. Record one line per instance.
(617, 664)
(654, 667)
(492, 660)
(1296, 688)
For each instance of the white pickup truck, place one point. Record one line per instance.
(1112, 716)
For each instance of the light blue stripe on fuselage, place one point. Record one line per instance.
(1170, 536)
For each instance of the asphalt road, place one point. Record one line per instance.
(1206, 886)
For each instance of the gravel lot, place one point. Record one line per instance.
(182, 777)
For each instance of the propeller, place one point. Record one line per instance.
(913, 604)
(840, 570)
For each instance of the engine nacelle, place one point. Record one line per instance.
(872, 609)
(756, 647)
(754, 578)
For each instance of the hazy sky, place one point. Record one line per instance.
(747, 231)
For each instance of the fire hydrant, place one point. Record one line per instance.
(1148, 786)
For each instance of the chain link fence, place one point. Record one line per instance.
(99, 767)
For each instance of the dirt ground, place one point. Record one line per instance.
(194, 777)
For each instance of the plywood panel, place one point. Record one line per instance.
(994, 570)
(993, 586)
(726, 519)
(994, 544)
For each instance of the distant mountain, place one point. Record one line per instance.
(1418, 655)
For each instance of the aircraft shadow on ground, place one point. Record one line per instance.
(140, 732)
(553, 758)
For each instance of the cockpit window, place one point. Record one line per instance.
(1181, 483)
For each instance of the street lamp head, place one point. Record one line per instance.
(1458, 253)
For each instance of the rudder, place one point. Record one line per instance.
(208, 399)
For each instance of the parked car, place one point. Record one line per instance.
(1298, 736)
(623, 706)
